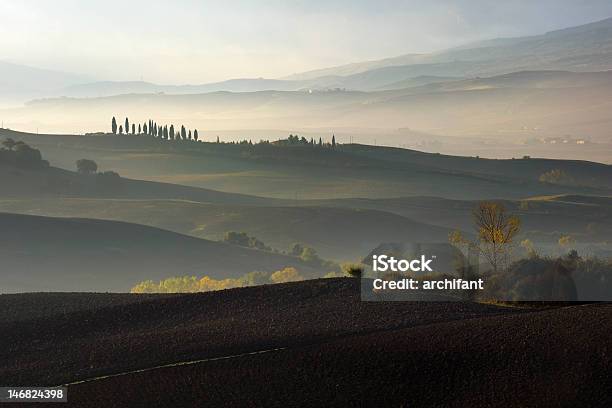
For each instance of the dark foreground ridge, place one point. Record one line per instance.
(324, 348)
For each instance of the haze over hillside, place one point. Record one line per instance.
(59, 254)
(584, 48)
(184, 224)
(540, 95)
(295, 172)
(541, 113)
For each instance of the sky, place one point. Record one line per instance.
(189, 41)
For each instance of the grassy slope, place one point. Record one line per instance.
(298, 173)
(41, 253)
(338, 229)
(587, 218)
(336, 233)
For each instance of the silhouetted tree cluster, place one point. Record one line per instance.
(86, 166)
(295, 140)
(151, 128)
(172, 133)
(309, 256)
(243, 239)
(537, 279)
(22, 155)
(101, 182)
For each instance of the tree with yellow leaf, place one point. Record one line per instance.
(495, 230)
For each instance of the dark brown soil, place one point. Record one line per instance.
(339, 351)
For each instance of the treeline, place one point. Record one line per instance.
(151, 128)
(165, 132)
(532, 277)
(295, 140)
(306, 254)
(192, 284)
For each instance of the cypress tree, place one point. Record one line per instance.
(114, 125)
(195, 135)
(127, 126)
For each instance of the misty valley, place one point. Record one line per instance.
(429, 229)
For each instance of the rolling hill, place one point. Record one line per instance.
(339, 234)
(323, 224)
(314, 342)
(60, 254)
(302, 172)
(584, 48)
(154, 330)
(588, 219)
(516, 111)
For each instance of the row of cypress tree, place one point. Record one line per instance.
(151, 128)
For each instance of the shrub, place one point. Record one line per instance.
(288, 274)
(244, 240)
(556, 176)
(86, 166)
(20, 154)
(353, 270)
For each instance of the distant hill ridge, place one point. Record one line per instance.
(582, 48)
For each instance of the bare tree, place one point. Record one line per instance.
(496, 230)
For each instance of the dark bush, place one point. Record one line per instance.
(86, 166)
(21, 155)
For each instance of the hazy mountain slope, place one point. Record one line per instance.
(16, 78)
(59, 254)
(110, 88)
(20, 83)
(511, 108)
(357, 67)
(583, 48)
(417, 82)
